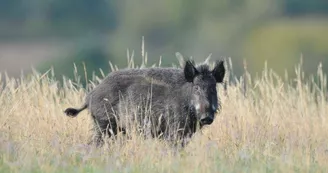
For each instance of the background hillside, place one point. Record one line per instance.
(46, 33)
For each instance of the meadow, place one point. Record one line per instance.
(268, 123)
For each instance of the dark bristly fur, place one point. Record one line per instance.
(176, 99)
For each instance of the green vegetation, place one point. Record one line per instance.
(284, 42)
(88, 59)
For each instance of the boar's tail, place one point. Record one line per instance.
(72, 112)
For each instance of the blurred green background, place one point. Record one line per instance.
(58, 33)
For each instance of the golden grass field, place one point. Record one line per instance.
(267, 124)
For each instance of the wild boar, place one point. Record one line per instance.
(173, 100)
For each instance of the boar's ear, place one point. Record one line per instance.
(219, 71)
(190, 71)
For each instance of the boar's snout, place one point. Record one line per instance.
(206, 120)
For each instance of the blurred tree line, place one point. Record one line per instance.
(256, 30)
(74, 16)
(56, 17)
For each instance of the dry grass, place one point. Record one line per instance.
(280, 126)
